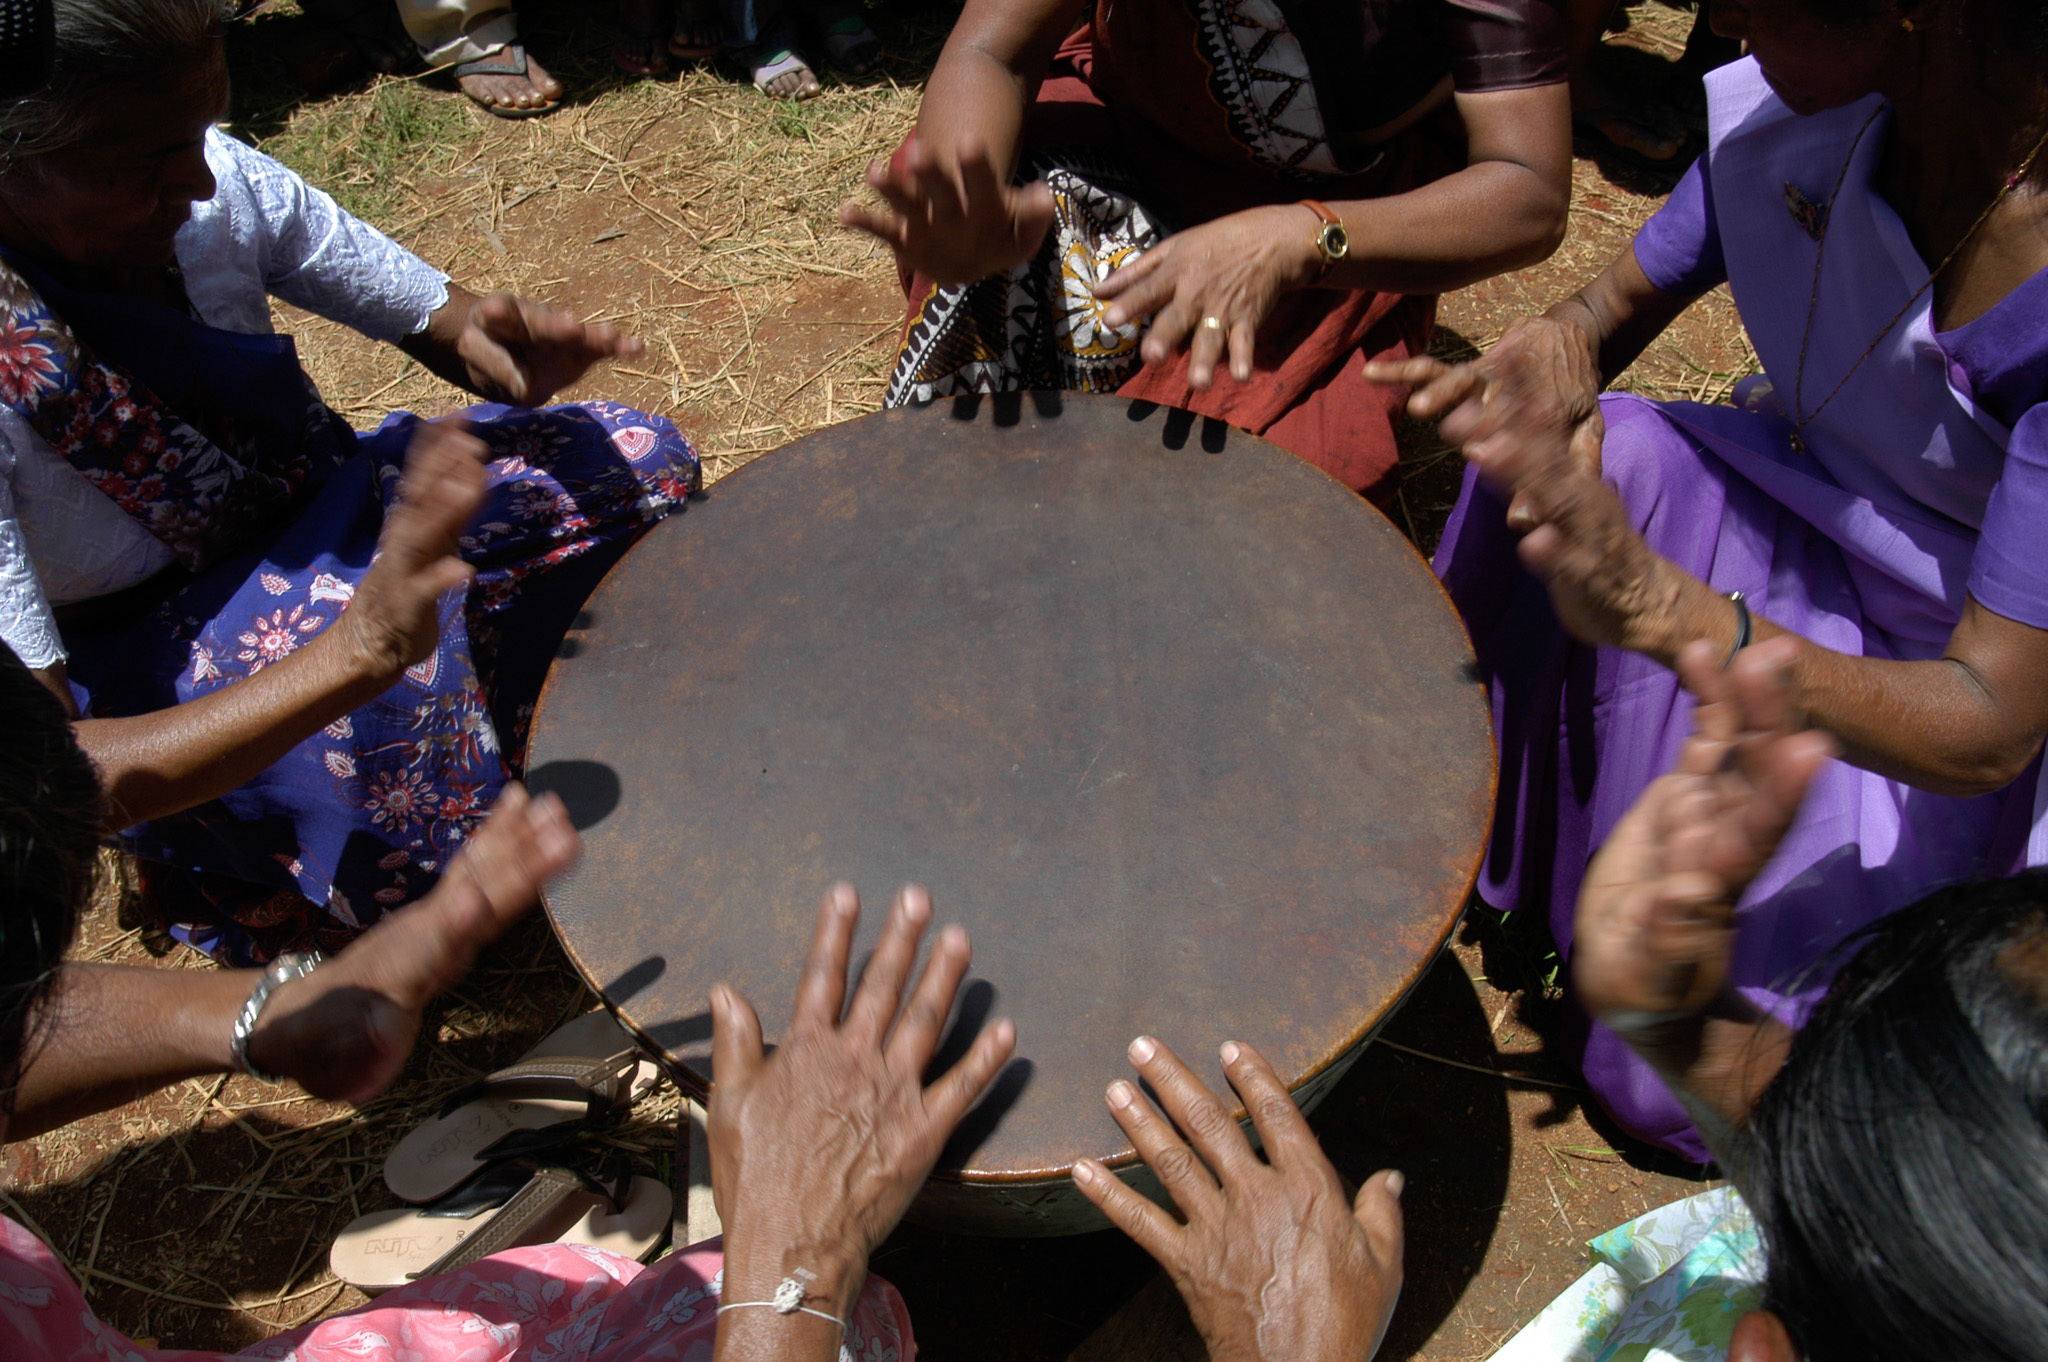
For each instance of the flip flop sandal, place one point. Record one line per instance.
(698, 33)
(511, 1205)
(509, 60)
(765, 64)
(852, 44)
(578, 1075)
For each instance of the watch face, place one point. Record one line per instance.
(1335, 242)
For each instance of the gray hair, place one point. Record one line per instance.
(104, 47)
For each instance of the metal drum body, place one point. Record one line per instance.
(1183, 732)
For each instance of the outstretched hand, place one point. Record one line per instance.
(818, 1148)
(344, 1031)
(1656, 914)
(951, 220)
(1274, 1263)
(522, 353)
(393, 620)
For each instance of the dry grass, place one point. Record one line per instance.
(704, 219)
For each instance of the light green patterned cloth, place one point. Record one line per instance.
(1665, 1287)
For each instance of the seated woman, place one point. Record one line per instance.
(1873, 192)
(1893, 1153)
(1291, 184)
(187, 532)
(798, 1204)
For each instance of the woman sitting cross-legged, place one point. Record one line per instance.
(1875, 192)
(816, 1150)
(1270, 193)
(187, 532)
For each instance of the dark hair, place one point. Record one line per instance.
(50, 811)
(1898, 1165)
(101, 48)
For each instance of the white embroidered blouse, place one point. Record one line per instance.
(264, 232)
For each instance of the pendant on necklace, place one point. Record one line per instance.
(1798, 443)
(1812, 217)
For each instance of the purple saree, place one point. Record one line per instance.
(1926, 478)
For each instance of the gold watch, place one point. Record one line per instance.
(1332, 242)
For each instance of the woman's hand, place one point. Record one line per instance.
(1214, 285)
(1540, 381)
(522, 353)
(951, 221)
(817, 1149)
(1656, 914)
(393, 621)
(1274, 1263)
(344, 1031)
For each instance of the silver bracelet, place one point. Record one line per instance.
(284, 969)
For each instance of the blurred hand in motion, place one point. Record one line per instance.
(1527, 415)
(393, 620)
(1274, 1263)
(522, 353)
(818, 1148)
(1208, 289)
(1531, 402)
(951, 220)
(1656, 915)
(344, 1031)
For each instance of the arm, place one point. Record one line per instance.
(1505, 209)
(950, 211)
(116, 1033)
(1656, 914)
(512, 350)
(817, 1149)
(156, 764)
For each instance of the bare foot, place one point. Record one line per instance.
(641, 48)
(509, 83)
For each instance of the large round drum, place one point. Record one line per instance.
(1182, 731)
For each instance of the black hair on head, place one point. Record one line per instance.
(1898, 1165)
(50, 812)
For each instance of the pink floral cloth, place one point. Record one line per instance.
(555, 1303)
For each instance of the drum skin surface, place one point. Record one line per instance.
(1183, 731)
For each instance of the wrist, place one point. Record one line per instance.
(759, 1260)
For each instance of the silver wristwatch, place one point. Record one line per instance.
(287, 967)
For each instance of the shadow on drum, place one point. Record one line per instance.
(1097, 1297)
(589, 790)
(1007, 409)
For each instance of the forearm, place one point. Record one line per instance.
(160, 763)
(1934, 724)
(755, 1264)
(1484, 220)
(1717, 1063)
(116, 1033)
(988, 74)
(434, 345)
(1620, 312)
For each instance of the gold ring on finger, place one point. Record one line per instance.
(1212, 323)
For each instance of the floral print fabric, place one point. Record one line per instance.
(361, 817)
(1665, 1287)
(554, 1303)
